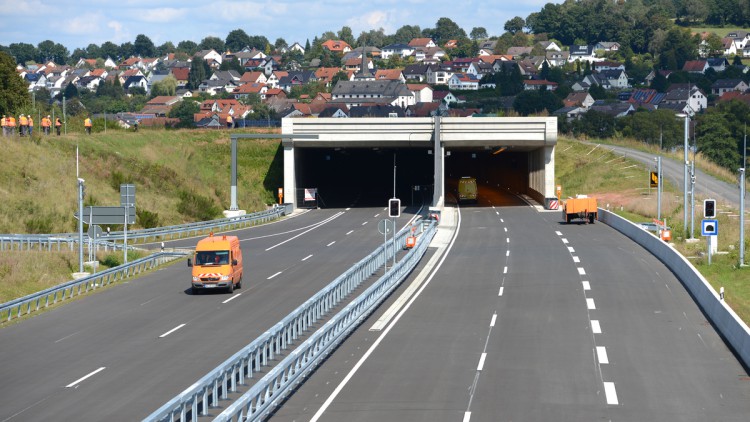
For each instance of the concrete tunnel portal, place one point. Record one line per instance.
(351, 163)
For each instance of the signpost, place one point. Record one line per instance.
(127, 200)
(385, 227)
(710, 229)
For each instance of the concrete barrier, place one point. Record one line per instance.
(735, 332)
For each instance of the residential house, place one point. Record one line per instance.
(429, 54)
(570, 112)
(36, 81)
(461, 65)
(646, 98)
(275, 77)
(213, 58)
(615, 109)
(539, 84)
(463, 81)
(249, 88)
(225, 75)
(181, 75)
(607, 65)
(326, 74)
(269, 64)
(293, 79)
(719, 64)
(607, 46)
(422, 92)
(161, 105)
(89, 82)
(336, 46)
(422, 42)
(518, 52)
(582, 53)
(695, 66)
(487, 48)
(416, 72)
(557, 58)
(297, 47)
(137, 81)
(355, 65)
(689, 94)
(617, 78)
(450, 44)
(735, 95)
(528, 68)
(216, 86)
(221, 109)
(422, 109)
(357, 93)
(275, 93)
(403, 50)
(439, 74)
(549, 46)
(583, 100)
(445, 97)
(376, 110)
(480, 68)
(254, 77)
(722, 86)
(129, 63)
(390, 74)
(335, 111)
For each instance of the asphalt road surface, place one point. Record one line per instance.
(121, 353)
(529, 319)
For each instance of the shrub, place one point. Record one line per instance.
(111, 261)
(147, 219)
(197, 206)
(39, 224)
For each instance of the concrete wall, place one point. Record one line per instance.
(735, 332)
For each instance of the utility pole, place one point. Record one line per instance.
(685, 187)
(742, 217)
(80, 224)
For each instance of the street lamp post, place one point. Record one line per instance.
(685, 177)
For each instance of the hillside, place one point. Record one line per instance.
(180, 176)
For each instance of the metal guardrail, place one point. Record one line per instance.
(68, 241)
(23, 306)
(214, 386)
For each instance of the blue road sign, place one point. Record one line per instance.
(709, 227)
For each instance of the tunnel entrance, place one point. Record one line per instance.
(500, 172)
(350, 177)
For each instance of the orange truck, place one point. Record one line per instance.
(217, 264)
(581, 206)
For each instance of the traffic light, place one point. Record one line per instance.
(394, 208)
(709, 208)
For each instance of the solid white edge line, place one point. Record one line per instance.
(595, 327)
(601, 354)
(500, 293)
(232, 298)
(349, 232)
(494, 318)
(611, 393)
(331, 243)
(385, 332)
(590, 303)
(467, 417)
(480, 366)
(274, 275)
(307, 257)
(172, 330)
(80, 380)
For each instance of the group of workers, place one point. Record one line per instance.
(25, 124)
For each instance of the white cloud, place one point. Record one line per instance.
(20, 8)
(161, 15)
(84, 24)
(119, 34)
(375, 19)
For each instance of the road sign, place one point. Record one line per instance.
(127, 195)
(107, 215)
(709, 227)
(654, 179)
(385, 227)
(95, 231)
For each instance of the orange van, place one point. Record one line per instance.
(217, 264)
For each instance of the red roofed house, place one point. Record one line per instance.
(244, 90)
(695, 66)
(254, 77)
(422, 42)
(539, 84)
(336, 46)
(390, 74)
(181, 74)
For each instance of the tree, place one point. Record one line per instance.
(514, 25)
(13, 93)
(715, 140)
(109, 49)
(48, 50)
(199, 71)
(237, 40)
(212, 43)
(22, 52)
(165, 87)
(143, 46)
(534, 101)
(446, 29)
(185, 110)
(93, 51)
(188, 47)
(345, 35)
(165, 49)
(660, 82)
(280, 43)
(258, 42)
(595, 124)
(478, 33)
(714, 46)
(127, 49)
(71, 91)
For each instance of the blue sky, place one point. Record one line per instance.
(78, 23)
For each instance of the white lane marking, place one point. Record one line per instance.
(505, 270)
(172, 330)
(347, 209)
(570, 249)
(69, 335)
(232, 298)
(506, 229)
(586, 285)
(507, 253)
(576, 259)
(388, 329)
(481, 362)
(307, 257)
(595, 327)
(500, 293)
(377, 215)
(329, 219)
(497, 213)
(364, 223)
(502, 221)
(494, 318)
(507, 240)
(581, 271)
(611, 393)
(331, 243)
(558, 233)
(274, 275)
(347, 233)
(601, 354)
(467, 417)
(565, 241)
(590, 303)
(80, 380)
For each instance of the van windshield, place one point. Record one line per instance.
(212, 258)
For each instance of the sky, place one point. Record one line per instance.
(78, 23)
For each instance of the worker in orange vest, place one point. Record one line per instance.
(30, 124)
(230, 122)
(58, 125)
(11, 125)
(23, 123)
(46, 123)
(87, 125)
(4, 123)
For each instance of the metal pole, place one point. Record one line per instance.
(65, 116)
(125, 236)
(742, 217)
(685, 188)
(233, 186)
(394, 176)
(692, 198)
(80, 225)
(393, 240)
(385, 247)
(658, 188)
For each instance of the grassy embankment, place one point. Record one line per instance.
(163, 164)
(623, 186)
(180, 176)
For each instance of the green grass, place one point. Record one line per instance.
(720, 31)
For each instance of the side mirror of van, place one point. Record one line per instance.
(190, 262)
(234, 262)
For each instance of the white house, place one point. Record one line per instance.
(438, 74)
(402, 50)
(463, 81)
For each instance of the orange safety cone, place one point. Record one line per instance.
(410, 242)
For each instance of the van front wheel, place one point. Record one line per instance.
(239, 283)
(230, 288)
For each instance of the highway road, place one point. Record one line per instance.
(529, 319)
(121, 353)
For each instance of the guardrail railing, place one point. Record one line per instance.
(214, 386)
(68, 241)
(48, 297)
